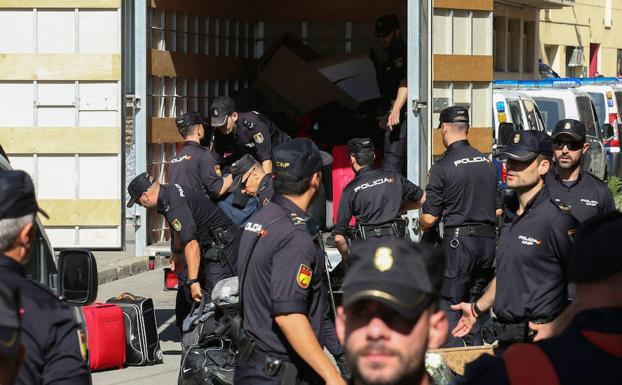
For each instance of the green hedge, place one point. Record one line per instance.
(615, 185)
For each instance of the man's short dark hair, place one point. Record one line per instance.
(364, 158)
(291, 187)
(189, 130)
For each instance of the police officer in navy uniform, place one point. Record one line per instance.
(281, 272)
(12, 352)
(588, 348)
(585, 194)
(252, 179)
(462, 190)
(393, 88)
(203, 234)
(194, 166)
(50, 331)
(530, 288)
(374, 197)
(244, 132)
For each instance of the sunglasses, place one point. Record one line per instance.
(572, 146)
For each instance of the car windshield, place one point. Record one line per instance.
(601, 107)
(517, 116)
(552, 111)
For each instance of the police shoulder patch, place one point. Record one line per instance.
(248, 124)
(265, 201)
(561, 205)
(571, 233)
(176, 225)
(303, 276)
(297, 220)
(217, 170)
(258, 138)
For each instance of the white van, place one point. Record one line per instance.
(518, 108)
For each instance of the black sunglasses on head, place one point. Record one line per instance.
(572, 145)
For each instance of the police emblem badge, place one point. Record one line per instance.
(176, 225)
(304, 276)
(217, 169)
(383, 259)
(516, 138)
(258, 138)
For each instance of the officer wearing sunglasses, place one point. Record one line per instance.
(568, 181)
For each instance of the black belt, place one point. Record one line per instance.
(485, 231)
(274, 365)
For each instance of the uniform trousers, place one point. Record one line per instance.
(395, 148)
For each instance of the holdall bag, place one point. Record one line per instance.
(210, 363)
(105, 335)
(142, 342)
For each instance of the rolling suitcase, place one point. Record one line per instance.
(142, 343)
(105, 335)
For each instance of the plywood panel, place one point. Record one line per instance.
(93, 237)
(83, 212)
(479, 137)
(60, 3)
(56, 116)
(163, 130)
(98, 31)
(16, 101)
(56, 31)
(60, 67)
(56, 177)
(56, 93)
(99, 177)
(19, 25)
(474, 5)
(61, 140)
(456, 68)
(174, 64)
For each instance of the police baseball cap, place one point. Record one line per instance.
(137, 187)
(187, 120)
(574, 128)
(403, 275)
(358, 145)
(454, 114)
(220, 110)
(385, 25)
(596, 251)
(526, 145)
(17, 195)
(9, 321)
(239, 168)
(298, 158)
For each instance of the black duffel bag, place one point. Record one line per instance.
(211, 363)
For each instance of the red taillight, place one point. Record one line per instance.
(504, 172)
(615, 141)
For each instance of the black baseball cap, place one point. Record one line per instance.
(358, 145)
(220, 109)
(137, 187)
(17, 195)
(454, 114)
(403, 275)
(10, 325)
(239, 168)
(187, 120)
(385, 25)
(596, 252)
(574, 128)
(298, 158)
(526, 145)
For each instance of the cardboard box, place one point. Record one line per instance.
(457, 358)
(354, 74)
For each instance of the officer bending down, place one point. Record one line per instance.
(244, 132)
(530, 289)
(282, 304)
(374, 197)
(253, 180)
(50, 332)
(204, 234)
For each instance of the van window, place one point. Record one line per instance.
(41, 263)
(599, 104)
(552, 110)
(586, 115)
(517, 115)
(532, 119)
(619, 102)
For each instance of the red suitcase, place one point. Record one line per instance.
(342, 175)
(106, 335)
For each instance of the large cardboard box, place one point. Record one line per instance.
(354, 74)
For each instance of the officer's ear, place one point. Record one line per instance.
(316, 180)
(234, 116)
(340, 325)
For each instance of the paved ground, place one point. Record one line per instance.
(148, 284)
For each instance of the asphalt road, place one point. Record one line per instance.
(147, 284)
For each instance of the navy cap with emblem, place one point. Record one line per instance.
(385, 25)
(137, 187)
(574, 128)
(239, 168)
(17, 195)
(9, 321)
(596, 251)
(454, 114)
(220, 109)
(526, 145)
(405, 276)
(298, 158)
(358, 145)
(188, 120)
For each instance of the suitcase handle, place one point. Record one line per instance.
(129, 296)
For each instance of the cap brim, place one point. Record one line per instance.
(237, 180)
(411, 311)
(131, 202)
(574, 135)
(327, 159)
(217, 121)
(520, 155)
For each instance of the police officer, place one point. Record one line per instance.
(195, 167)
(393, 88)
(253, 180)
(281, 272)
(203, 233)
(374, 197)
(530, 289)
(244, 132)
(585, 194)
(462, 190)
(390, 318)
(50, 332)
(12, 352)
(588, 350)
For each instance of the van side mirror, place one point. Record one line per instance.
(505, 133)
(608, 128)
(77, 273)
